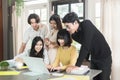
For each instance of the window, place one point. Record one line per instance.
(78, 8)
(63, 7)
(42, 14)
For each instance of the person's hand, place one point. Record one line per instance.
(51, 46)
(57, 68)
(18, 59)
(70, 68)
(49, 67)
(46, 41)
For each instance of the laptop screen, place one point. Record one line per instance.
(35, 65)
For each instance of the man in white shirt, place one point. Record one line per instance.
(36, 29)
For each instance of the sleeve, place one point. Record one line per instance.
(89, 31)
(46, 59)
(82, 55)
(47, 32)
(57, 59)
(25, 53)
(26, 36)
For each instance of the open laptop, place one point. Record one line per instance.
(35, 65)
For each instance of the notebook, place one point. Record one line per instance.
(81, 70)
(35, 65)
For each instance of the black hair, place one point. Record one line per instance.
(56, 18)
(32, 50)
(70, 18)
(64, 34)
(33, 16)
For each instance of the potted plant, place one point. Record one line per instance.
(4, 65)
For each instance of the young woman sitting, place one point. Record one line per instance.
(66, 53)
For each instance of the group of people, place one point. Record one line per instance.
(55, 47)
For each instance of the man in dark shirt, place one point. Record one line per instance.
(92, 42)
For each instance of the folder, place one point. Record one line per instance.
(9, 73)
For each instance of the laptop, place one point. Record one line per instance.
(35, 65)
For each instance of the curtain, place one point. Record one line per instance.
(110, 26)
(17, 29)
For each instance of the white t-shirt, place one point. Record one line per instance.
(27, 53)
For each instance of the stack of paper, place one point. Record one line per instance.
(81, 70)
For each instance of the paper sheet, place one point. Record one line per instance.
(9, 73)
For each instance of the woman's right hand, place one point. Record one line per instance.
(49, 66)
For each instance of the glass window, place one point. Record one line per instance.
(43, 14)
(78, 8)
(66, 7)
(62, 10)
